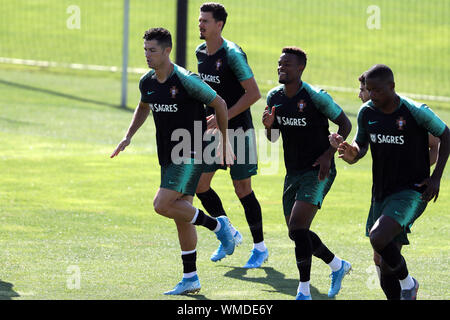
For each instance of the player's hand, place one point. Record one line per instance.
(335, 139)
(347, 152)
(120, 147)
(211, 122)
(432, 188)
(324, 163)
(225, 153)
(268, 118)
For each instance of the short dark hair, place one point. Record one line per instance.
(362, 78)
(159, 34)
(380, 71)
(301, 55)
(218, 11)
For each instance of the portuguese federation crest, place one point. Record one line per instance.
(173, 92)
(301, 105)
(218, 64)
(401, 123)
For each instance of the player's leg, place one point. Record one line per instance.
(300, 220)
(388, 279)
(313, 192)
(253, 215)
(208, 197)
(179, 180)
(393, 263)
(187, 236)
(398, 213)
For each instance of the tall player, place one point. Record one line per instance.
(176, 98)
(396, 128)
(301, 113)
(223, 65)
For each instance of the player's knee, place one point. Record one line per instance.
(376, 259)
(298, 235)
(160, 206)
(242, 189)
(377, 242)
(202, 187)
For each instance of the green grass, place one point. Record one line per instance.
(65, 203)
(413, 37)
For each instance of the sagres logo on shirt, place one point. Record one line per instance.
(388, 139)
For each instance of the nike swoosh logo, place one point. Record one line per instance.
(150, 92)
(277, 105)
(200, 62)
(307, 195)
(171, 182)
(372, 122)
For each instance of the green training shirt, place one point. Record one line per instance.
(398, 144)
(178, 103)
(303, 123)
(223, 71)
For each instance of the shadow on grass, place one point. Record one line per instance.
(6, 291)
(275, 279)
(63, 95)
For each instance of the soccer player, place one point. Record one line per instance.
(223, 65)
(176, 98)
(433, 142)
(301, 113)
(396, 128)
(388, 282)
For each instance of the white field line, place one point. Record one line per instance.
(92, 67)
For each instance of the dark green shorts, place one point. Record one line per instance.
(404, 207)
(181, 178)
(306, 187)
(246, 163)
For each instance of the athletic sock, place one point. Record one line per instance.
(303, 287)
(392, 257)
(253, 215)
(212, 203)
(260, 246)
(201, 219)
(390, 285)
(407, 283)
(320, 250)
(189, 263)
(335, 264)
(303, 252)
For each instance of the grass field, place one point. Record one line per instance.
(65, 206)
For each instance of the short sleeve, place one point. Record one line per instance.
(196, 87)
(144, 91)
(238, 63)
(362, 136)
(426, 118)
(324, 103)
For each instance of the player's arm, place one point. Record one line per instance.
(426, 118)
(241, 69)
(140, 115)
(351, 153)
(330, 109)
(324, 161)
(220, 108)
(433, 143)
(250, 96)
(433, 182)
